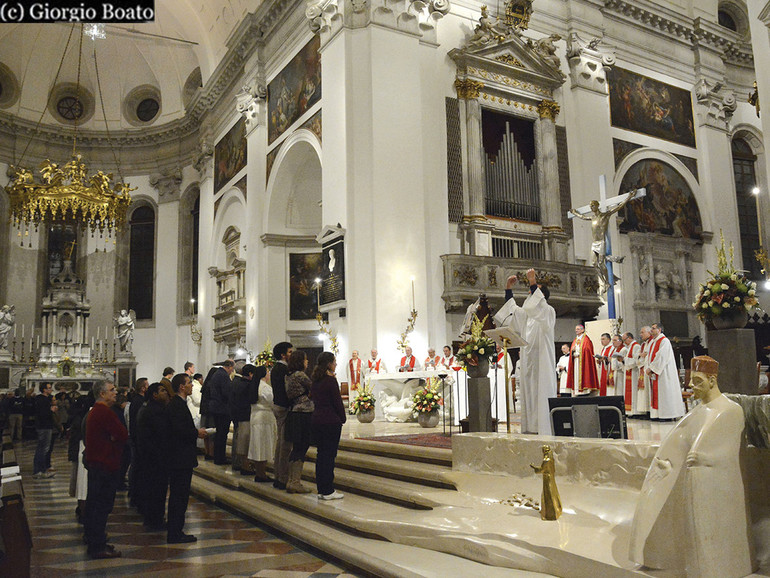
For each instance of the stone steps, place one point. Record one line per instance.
(331, 528)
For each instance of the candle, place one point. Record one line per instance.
(38, 341)
(22, 332)
(413, 294)
(98, 329)
(14, 331)
(92, 343)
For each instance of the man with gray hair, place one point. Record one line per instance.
(105, 438)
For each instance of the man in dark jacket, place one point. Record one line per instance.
(44, 426)
(281, 353)
(135, 401)
(181, 456)
(151, 437)
(219, 408)
(15, 415)
(243, 394)
(165, 381)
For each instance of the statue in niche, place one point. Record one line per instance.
(661, 283)
(550, 502)
(694, 490)
(675, 284)
(124, 323)
(644, 270)
(7, 321)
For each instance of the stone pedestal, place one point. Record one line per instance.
(479, 405)
(735, 350)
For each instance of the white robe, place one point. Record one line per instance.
(631, 364)
(497, 387)
(562, 364)
(670, 404)
(642, 400)
(619, 375)
(534, 321)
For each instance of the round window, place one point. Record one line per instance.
(147, 109)
(70, 108)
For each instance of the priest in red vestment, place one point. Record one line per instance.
(581, 374)
(409, 361)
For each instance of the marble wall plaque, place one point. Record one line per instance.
(333, 275)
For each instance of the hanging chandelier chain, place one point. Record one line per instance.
(104, 114)
(55, 80)
(77, 93)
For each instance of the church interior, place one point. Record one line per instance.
(233, 174)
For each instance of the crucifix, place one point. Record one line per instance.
(599, 213)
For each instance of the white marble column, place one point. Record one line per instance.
(206, 289)
(548, 166)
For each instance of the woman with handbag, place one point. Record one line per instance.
(298, 420)
(328, 417)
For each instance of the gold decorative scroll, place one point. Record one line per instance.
(467, 88)
(509, 59)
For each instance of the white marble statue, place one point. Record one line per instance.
(125, 321)
(7, 321)
(395, 409)
(692, 516)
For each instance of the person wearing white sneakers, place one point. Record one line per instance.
(328, 417)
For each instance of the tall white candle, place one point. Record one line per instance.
(22, 331)
(412, 293)
(38, 341)
(92, 343)
(98, 329)
(14, 331)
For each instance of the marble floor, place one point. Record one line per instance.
(226, 546)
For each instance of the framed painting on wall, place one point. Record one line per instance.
(294, 90)
(651, 107)
(230, 155)
(304, 269)
(669, 207)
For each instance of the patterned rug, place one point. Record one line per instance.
(436, 440)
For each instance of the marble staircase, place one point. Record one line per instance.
(376, 477)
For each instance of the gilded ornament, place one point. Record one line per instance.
(545, 279)
(69, 193)
(550, 502)
(590, 284)
(466, 275)
(548, 109)
(509, 59)
(518, 13)
(467, 88)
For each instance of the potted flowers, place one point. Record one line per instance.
(726, 298)
(474, 353)
(426, 403)
(363, 405)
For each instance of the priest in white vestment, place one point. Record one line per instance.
(630, 372)
(617, 373)
(534, 321)
(499, 387)
(374, 364)
(665, 390)
(642, 403)
(692, 518)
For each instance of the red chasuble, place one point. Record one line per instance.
(354, 370)
(604, 376)
(410, 363)
(629, 378)
(582, 369)
(653, 375)
(375, 365)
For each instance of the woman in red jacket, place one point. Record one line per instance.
(328, 417)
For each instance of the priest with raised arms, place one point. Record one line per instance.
(534, 320)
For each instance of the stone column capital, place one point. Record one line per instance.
(204, 160)
(249, 102)
(715, 106)
(588, 63)
(548, 109)
(468, 89)
(167, 184)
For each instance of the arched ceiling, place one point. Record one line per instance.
(186, 35)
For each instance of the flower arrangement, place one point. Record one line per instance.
(728, 292)
(427, 399)
(476, 346)
(364, 401)
(265, 357)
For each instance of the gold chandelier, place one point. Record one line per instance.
(68, 193)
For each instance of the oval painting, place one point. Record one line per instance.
(669, 207)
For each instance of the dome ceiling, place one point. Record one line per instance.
(137, 63)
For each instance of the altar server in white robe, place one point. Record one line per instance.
(534, 321)
(631, 371)
(499, 388)
(665, 391)
(562, 367)
(616, 366)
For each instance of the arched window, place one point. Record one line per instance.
(141, 264)
(188, 255)
(745, 181)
